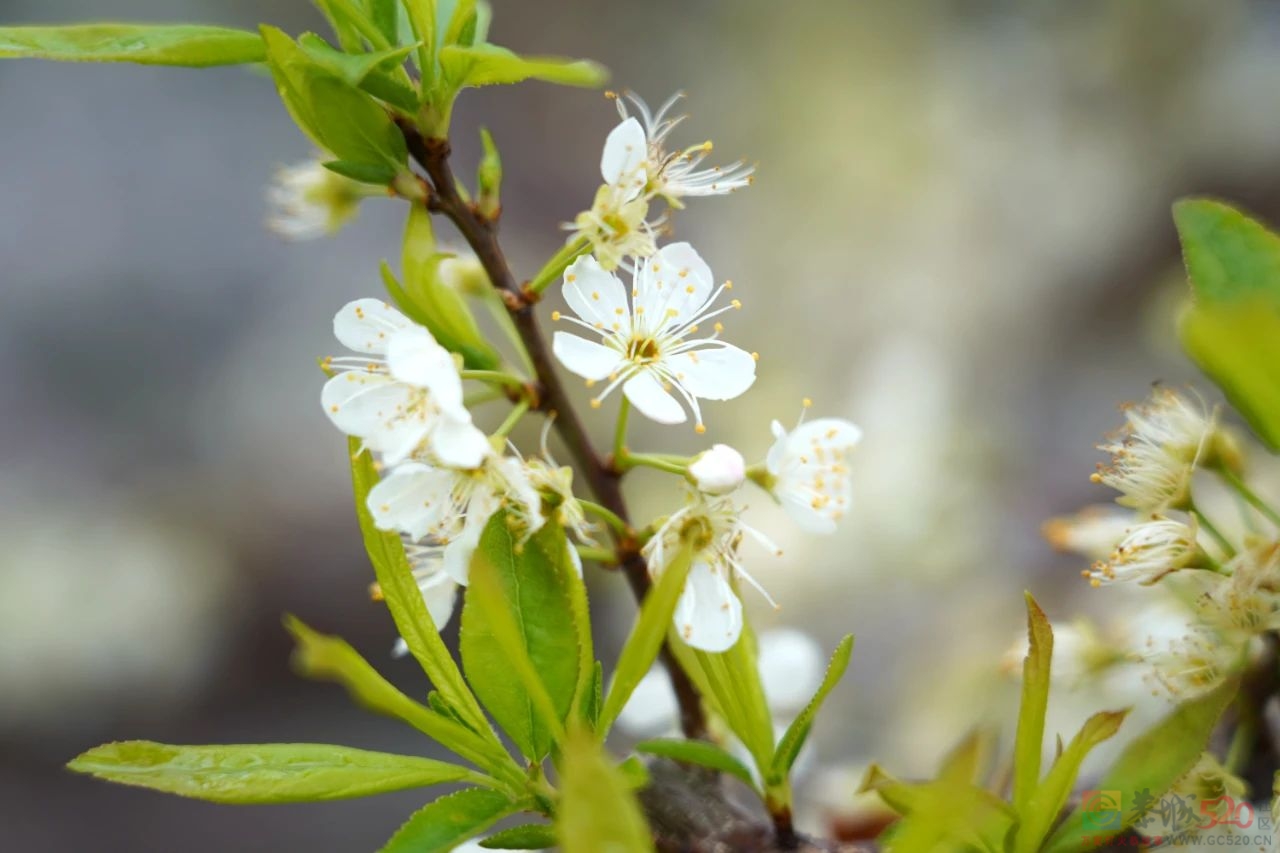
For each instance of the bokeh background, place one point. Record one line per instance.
(959, 238)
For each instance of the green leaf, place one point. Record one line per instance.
(530, 836)
(372, 72)
(263, 773)
(641, 649)
(793, 740)
(321, 656)
(597, 813)
(519, 645)
(404, 600)
(488, 65)
(385, 15)
(335, 114)
(948, 809)
(1153, 762)
(1231, 329)
(449, 821)
(180, 44)
(429, 300)
(699, 752)
(365, 173)
(1028, 748)
(1046, 803)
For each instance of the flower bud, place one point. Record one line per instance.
(718, 471)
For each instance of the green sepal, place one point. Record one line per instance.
(243, 774)
(179, 44)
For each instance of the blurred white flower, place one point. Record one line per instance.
(452, 506)
(636, 159)
(1154, 453)
(308, 201)
(718, 471)
(645, 345)
(709, 614)
(402, 391)
(1093, 532)
(809, 474)
(1148, 552)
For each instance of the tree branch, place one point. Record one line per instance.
(481, 235)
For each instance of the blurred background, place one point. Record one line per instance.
(959, 238)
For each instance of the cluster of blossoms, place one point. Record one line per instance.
(656, 340)
(1220, 594)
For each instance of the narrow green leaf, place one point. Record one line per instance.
(351, 67)
(699, 752)
(798, 732)
(161, 44)
(263, 773)
(404, 600)
(462, 20)
(422, 20)
(1046, 803)
(634, 773)
(322, 656)
(449, 821)
(945, 810)
(592, 699)
(1029, 746)
(530, 836)
(1151, 763)
(1231, 329)
(519, 644)
(365, 173)
(385, 15)
(644, 642)
(597, 813)
(488, 65)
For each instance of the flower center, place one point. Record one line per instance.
(642, 350)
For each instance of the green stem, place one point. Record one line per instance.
(1223, 542)
(620, 430)
(649, 460)
(1242, 741)
(1242, 488)
(603, 556)
(484, 395)
(554, 267)
(610, 517)
(494, 377)
(513, 418)
(498, 310)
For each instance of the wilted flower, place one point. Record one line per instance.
(808, 471)
(636, 159)
(1156, 451)
(405, 390)
(645, 345)
(309, 201)
(718, 471)
(1148, 552)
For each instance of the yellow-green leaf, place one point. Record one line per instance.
(145, 44)
(597, 813)
(444, 824)
(1029, 745)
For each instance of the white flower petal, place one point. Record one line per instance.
(459, 444)
(458, 553)
(368, 406)
(809, 519)
(625, 150)
(834, 433)
(716, 373)
(439, 592)
(652, 708)
(791, 668)
(673, 286)
(718, 471)
(647, 395)
(410, 499)
(413, 356)
(595, 295)
(588, 359)
(366, 325)
(709, 614)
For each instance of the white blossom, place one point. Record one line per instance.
(403, 391)
(1155, 452)
(718, 471)
(809, 474)
(1092, 533)
(1148, 552)
(453, 505)
(309, 201)
(709, 613)
(636, 158)
(645, 345)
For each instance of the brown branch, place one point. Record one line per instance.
(481, 234)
